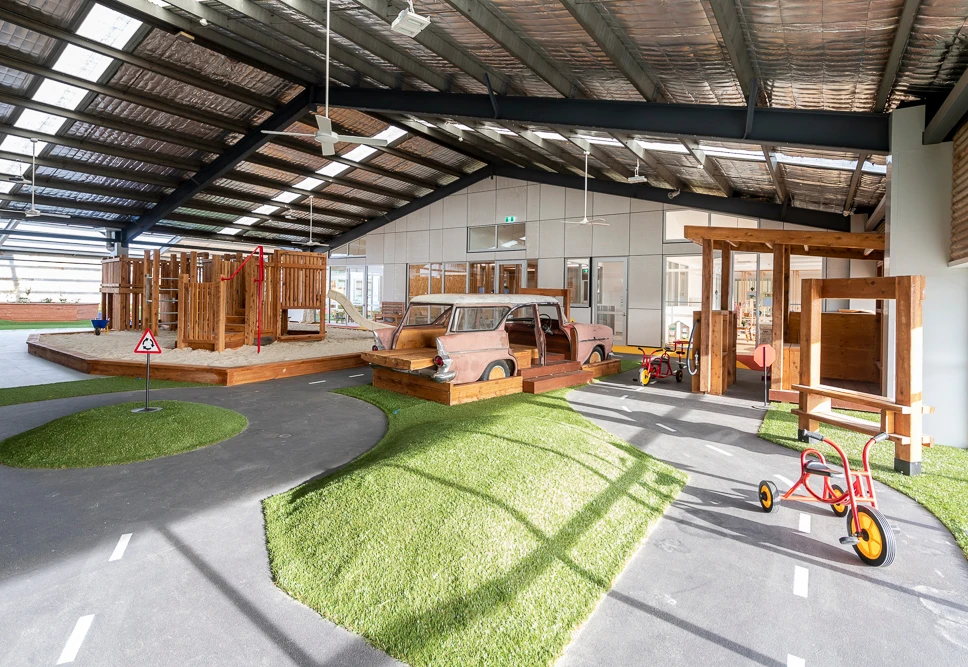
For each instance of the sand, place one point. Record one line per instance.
(120, 345)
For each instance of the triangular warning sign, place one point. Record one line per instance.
(147, 344)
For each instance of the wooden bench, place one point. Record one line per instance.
(391, 312)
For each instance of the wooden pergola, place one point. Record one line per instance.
(717, 333)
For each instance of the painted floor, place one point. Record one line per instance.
(164, 562)
(19, 369)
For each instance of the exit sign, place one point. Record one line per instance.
(509, 218)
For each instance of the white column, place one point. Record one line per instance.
(918, 240)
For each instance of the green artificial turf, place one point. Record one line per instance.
(113, 434)
(109, 385)
(942, 486)
(11, 324)
(479, 534)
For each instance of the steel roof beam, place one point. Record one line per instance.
(569, 160)
(282, 165)
(483, 15)
(291, 66)
(614, 169)
(662, 171)
(947, 119)
(74, 204)
(848, 131)
(772, 166)
(228, 90)
(727, 19)
(749, 208)
(854, 183)
(615, 46)
(223, 164)
(437, 136)
(321, 195)
(518, 147)
(709, 166)
(902, 34)
(228, 238)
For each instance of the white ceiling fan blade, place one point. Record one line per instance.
(365, 141)
(599, 223)
(290, 134)
(325, 124)
(34, 213)
(328, 148)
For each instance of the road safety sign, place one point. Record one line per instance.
(147, 344)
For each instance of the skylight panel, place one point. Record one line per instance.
(425, 123)
(734, 153)
(307, 183)
(391, 134)
(108, 26)
(333, 169)
(668, 147)
(59, 94)
(266, 209)
(285, 197)
(502, 130)
(604, 141)
(82, 63)
(465, 128)
(360, 153)
(20, 145)
(12, 168)
(38, 121)
(551, 136)
(246, 220)
(4, 189)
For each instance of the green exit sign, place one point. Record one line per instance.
(509, 218)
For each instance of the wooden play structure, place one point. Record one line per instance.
(213, 301)
(852, 339)
(901, 417)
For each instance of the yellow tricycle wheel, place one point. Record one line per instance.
(839, 510)
(769, 497)
(644, 376)
(876, 545)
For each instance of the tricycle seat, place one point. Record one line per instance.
(818, 468)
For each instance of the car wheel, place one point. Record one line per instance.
(597, 355)
(496, 370)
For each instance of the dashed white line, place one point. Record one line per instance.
(357, 376)
(717, 449)
(624, 397)
(804, 526)
(626, 408)
(671, 430)
(785, 480)
(640, 389)
(75, 640)
(794, 661)
(801, 580)
(122, 545)
(317, 381)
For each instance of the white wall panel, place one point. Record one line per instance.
(419, 221)
(532, 234)
(551, 273)
(645, 281)
(645, 233)
(583, 315)
(551, 238)
(374, 249)
(484, 185)
(418, 247)
(612, 240)
(512, 201)
(575, 204)
(436, 245)
(552, 202)
(640, 205)
(455, 211)
(436, 215)
(534, 201)
(578, 240)
(609, 204)
(480, 208)
(454, 243)
(644, 327)
(389, 248)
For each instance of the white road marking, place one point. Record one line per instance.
(640, 389)
(721, 451)
(75, 640)
(794, 661)
(626, 408)
(357, 376)
(804, 526)
(624, 397)
(801, 580)
(671, 430)
(317, 381)
(784, 480)
(122, 545)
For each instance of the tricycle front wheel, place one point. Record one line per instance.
(769, 497)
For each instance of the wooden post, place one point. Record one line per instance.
(781, 275)
(705, 348)
(908, 367)
(182, 301)
(220, 315)
(726, 278)
(811, 307)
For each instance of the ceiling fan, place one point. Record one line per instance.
(325, 135)
(310, 243)
(32, 212)
(585, 221)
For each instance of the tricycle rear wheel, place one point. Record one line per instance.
(839, 510)
(769, 497)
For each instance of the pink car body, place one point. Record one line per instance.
(474, 333)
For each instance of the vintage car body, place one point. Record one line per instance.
(474, 336)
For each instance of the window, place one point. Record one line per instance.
(485, 318)
(496, 237)
(677, 284)
(552, 311)
(676, 221)
(455, 278)
(481, 278)
(576, 280)
(419, 283)
(355, 248)
(421, 314)
(532, 273)
(522, 315)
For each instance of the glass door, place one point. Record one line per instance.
(608, 304)
(510, 277)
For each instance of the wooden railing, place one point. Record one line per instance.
(201, 314)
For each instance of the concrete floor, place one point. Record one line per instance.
(19, 369)
(713, 584)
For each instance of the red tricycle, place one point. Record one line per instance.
(658, 365)
(868, 531)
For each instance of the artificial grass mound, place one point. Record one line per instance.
(9, 325)
(479, 534)
(112, 434)
(108, 385)
(942, 486)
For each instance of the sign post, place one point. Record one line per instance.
(764, 355)
(147, 346)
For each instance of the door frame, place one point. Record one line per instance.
(594, 289)
(522, 265)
